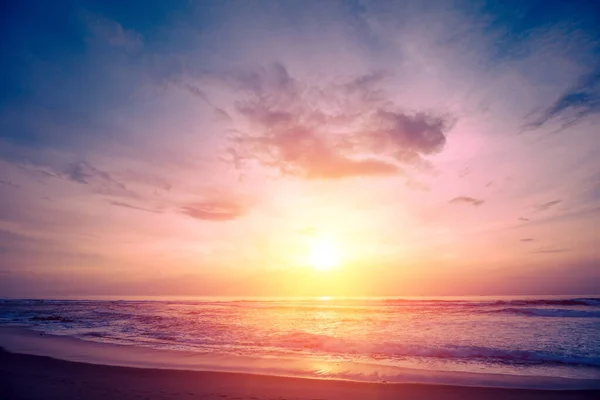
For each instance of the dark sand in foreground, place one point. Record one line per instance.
(35, 377)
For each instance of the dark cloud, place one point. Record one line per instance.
(467, 200)
(9, 183)
(84, 173)
(523, 219)
(591, 212)
(546, 206)
(410, 135)
(343, 130)
(220, 114)
(101, 181)
(197, 92)
(113, 34)
(126, 205)
(217, 209)
(527, 240)
(579, 101)
(549, 250)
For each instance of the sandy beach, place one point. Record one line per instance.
(28, 377)
(31, 376)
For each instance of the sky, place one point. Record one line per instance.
(299, 148)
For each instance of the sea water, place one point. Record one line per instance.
(520, 336)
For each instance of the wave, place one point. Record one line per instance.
(53, 318)
(392, 305)
(371, 302)
(550, 312)
(304, 340)
(583, 301)
(577, 301)
(300, 342)
(321, 303)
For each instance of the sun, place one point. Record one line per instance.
(324, 254)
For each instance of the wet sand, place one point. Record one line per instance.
(33, 376)
(28, 377)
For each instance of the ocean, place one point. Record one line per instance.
(555, 337)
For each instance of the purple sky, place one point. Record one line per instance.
(180, 148)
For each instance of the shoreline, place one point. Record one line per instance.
(33, 377)
(20, 340)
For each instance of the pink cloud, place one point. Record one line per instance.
(342, 130)
(216, 209)
(467, 200)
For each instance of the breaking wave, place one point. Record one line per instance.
(329, 344)
(546, 335)
(550, 312)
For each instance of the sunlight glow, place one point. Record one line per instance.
(324, 254)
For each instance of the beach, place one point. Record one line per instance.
(28, 377)
(154, 374)
(37, 377)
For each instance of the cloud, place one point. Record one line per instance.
(546, 206)
(101, 181)
(9, 183)
(550, 250)
(126, 205)
(527, 240)
(114, 34)
(523, 219)
(577, 102)
(84, 173)
(335, 131)
(216, 209)
(467, 200)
